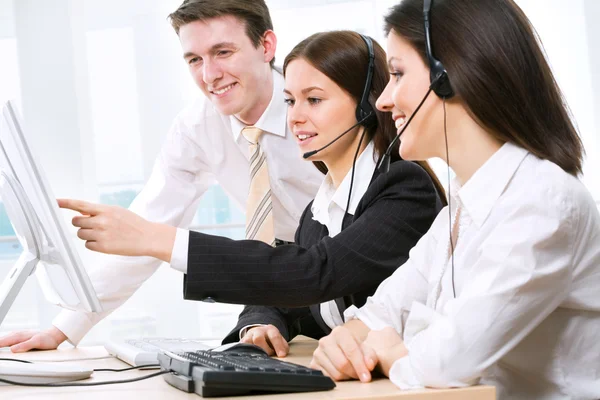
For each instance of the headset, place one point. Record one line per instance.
(438, 76)
(440, 85)
(365, 114)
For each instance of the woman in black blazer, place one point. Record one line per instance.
(329, 270)
(343, 250)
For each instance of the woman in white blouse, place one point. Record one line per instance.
(513, 300)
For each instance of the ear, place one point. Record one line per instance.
(270, 45)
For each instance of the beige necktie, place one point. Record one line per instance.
(259, 208)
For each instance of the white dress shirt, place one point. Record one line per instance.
(329, 207)
(201, 147)
(526, 316)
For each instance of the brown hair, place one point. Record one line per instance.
(253, 13)
(497, 68)
(343, 57)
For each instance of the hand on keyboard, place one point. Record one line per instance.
(268, 338)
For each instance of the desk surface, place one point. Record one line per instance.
(157, 388)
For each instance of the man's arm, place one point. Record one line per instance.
(177, 181)
(361, 256)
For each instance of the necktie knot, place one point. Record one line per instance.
(252, 134)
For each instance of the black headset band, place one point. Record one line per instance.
(439, 80)
(364, 110)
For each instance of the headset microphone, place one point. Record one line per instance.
(313, 152)
(384, 164)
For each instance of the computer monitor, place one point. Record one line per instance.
(39, 226)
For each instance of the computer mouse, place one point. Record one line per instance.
(38, 373)
(239, 347)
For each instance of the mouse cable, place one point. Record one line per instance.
(141, 378)
(95, 370)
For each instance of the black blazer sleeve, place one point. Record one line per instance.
(397, 209)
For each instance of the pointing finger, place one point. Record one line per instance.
(81, 206)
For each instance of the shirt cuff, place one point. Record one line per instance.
(74, 324)
(402, 375)
(245, 329)
(179, 256)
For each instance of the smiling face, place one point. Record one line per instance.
(318, 111)
(227, 67)
(424, 136)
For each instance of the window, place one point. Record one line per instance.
(115, 116)
(9, 90)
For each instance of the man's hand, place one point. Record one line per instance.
(386, 346)
(28, 340)
(116, 230)
(268, 338)
(340, 356)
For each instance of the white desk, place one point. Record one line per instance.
(156, 388)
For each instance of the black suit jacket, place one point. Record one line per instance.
(393, 214)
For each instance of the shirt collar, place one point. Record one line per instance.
(328, 195)
(273, 119)
(480, 192)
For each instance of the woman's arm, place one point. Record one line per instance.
(358, 258)
(251, 272)
(511, 288)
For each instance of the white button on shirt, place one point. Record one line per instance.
(527, 271)
(201, 147)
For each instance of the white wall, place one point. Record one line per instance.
(54, 84)
(567, 36)
(591, 10)
(7, 24)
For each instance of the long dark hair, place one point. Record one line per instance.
(497, 68)
(343, 57)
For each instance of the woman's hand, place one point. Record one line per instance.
(116, 230)
(341, 356)
(387, 346)
(268, 338)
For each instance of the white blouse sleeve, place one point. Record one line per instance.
(513, 285)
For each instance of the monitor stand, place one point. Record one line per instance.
(26, 226)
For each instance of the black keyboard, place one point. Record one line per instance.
(243, 369)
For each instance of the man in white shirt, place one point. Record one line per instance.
(229, 46)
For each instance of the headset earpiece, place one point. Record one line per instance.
(364, 110)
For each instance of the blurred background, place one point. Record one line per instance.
(99, 82)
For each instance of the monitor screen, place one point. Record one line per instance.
(39, 226)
